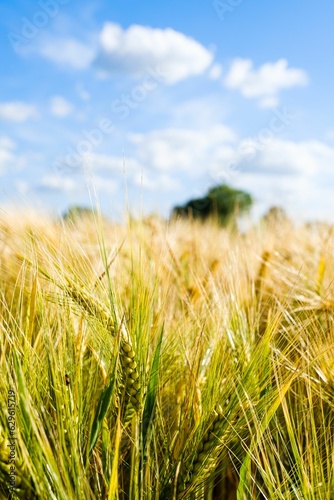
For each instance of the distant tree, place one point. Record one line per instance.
(221, 202)
(275, 214)
(77, 212)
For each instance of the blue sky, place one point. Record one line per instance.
(169, 99)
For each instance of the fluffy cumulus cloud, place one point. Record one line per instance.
(312, 159)
(158, 160)
(131, 51)
(264, 82)
(184, 150)
(17, 111)
(295, 175)
(219, 153)
(60, 107)
(281, 158)
(135, 172)
(278, 171)
(174, 164)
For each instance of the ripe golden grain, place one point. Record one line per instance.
(204, 459)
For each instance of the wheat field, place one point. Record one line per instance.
(154, 360)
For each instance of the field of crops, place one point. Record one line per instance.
(155, 360)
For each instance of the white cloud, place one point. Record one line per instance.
(313, 157)
(67, 52)
(298, 176)
(132, 169)
(176, 150)
(282, 157)
(131, 51)
(156, 161)
(78, 184)
(295, 175)
(265, 82)
(109, 172)
(175, 164)
(17, 111)
(178, 164)
(60, 107)
(54, 183)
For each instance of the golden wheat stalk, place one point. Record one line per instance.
(204, 459)
(90, 304)
(127, 354)
(22, 480)
(261, 273)
(130, 367)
